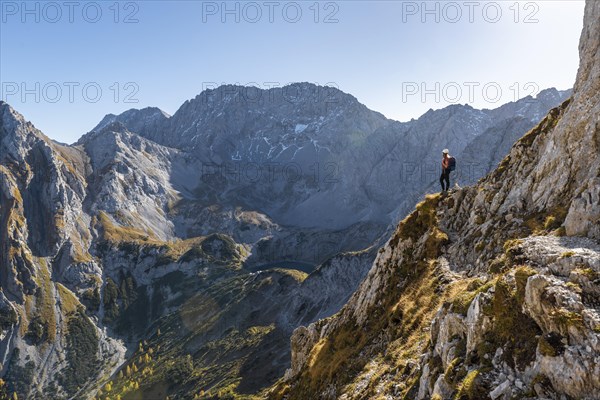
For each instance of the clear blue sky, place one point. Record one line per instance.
(383, 52)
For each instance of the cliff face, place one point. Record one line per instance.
(45, 266)
(489, 292)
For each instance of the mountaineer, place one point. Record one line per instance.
(448, 165)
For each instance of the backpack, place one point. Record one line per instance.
(451, 163)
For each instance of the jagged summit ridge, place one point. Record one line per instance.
(324, 133)
(214, 102)
(139, 121)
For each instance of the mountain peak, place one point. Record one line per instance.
(552, 94)
(297, 92)
(136, 120)
(9, 117)
(113, 126)
(16, 133)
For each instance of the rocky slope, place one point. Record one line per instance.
(490, 292)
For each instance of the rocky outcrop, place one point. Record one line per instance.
(552, 319)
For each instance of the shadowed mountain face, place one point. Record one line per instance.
(189, 233)
(313, 157)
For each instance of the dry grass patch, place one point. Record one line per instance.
(298, 276)
(126, 236)
(45, 301)
(116, 233)
(68, 301)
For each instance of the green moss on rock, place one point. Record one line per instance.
(513, 330)
(419, 221)
(471, 387)
(551, 345)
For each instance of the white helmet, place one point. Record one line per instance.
(445, 151)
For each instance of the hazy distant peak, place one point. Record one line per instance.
(136, 120)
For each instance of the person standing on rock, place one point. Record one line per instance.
(448, 165)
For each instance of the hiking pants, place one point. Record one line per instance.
(445, 178)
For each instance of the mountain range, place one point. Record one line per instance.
(177, 255)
